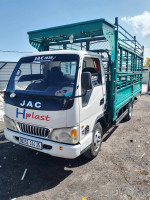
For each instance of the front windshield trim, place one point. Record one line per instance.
(40, 93)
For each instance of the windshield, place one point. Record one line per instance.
(50, 75)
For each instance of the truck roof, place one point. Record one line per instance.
(78, 52)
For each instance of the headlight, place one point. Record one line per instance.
(10, 124)
(65, 135)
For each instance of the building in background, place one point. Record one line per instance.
(6, 69)
(146, 74)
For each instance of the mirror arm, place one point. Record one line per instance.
(70, 98)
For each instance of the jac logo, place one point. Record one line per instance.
(30, 104)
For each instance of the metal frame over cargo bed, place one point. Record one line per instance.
(121, 54)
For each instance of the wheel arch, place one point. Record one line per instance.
(100, 119)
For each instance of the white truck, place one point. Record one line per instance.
(59, 101)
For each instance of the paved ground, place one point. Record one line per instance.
(120, 172)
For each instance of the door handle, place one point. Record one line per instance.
(102, 101)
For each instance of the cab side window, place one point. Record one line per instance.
(92, 65)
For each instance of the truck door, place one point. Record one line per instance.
(92, 104)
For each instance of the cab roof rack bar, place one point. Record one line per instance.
(82, 32)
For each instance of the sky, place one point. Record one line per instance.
(18, 17)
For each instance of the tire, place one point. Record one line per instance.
(96, 142)
(130, 110)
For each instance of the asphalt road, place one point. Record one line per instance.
(121, 170)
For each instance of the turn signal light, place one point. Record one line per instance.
(60, 148)
(74, 133)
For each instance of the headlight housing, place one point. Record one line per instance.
(10, 123)
(65, 135)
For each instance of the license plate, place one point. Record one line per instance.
(30, 143)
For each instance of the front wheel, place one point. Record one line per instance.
(96, 142)
(130, 110)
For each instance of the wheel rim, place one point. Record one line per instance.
(130, 111)
(97, 140)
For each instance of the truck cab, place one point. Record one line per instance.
(54, 101)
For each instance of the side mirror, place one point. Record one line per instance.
(86, 81)
(18, 72)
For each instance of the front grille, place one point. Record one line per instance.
(34, 130)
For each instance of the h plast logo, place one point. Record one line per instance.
(22, 113)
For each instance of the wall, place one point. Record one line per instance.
(145, 76)
(6, 69)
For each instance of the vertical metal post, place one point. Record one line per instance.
(116, 21)
(87, 46)
(121, 58)
(127, 62)
(142, 52)
(114, 74)
(31, 68)
(135, 44)
(40, 68)
(44, 47)
(64, 46)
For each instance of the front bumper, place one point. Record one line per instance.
(69, 151)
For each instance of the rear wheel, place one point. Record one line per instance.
(96, 142)
(130, 110)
